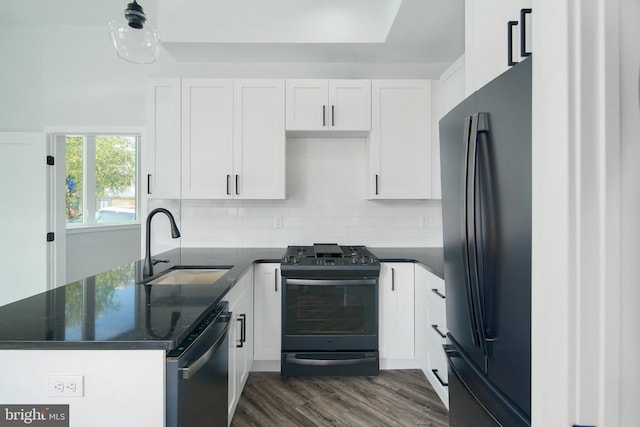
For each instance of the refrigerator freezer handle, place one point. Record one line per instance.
(466, 231)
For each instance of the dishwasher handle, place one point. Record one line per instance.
(193, 368)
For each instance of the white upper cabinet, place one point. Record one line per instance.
(400, 140)
(336, 105)
(207, 138)
(161, 145)
(259, 139)
(233, 139)
(487, 38)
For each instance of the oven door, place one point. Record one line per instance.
(329, 314)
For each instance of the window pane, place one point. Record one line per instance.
(74, 179)
(115, 179)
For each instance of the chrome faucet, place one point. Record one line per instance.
(175, 233)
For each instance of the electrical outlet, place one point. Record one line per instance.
(277, 222)
(66, 385)
(424, 222)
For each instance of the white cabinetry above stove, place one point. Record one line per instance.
(328, 105)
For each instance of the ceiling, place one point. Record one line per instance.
(373, 31)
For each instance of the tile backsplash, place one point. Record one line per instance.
(325, 203)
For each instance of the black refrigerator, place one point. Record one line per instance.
(486, 207)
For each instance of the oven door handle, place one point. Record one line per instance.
(292, 359)
(330, 282)
(190, 370)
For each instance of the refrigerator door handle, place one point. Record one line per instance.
(466, 232)
(472, 232)
(482, 131)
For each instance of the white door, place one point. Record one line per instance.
(207, 139)
(259, 139)
(349, 105)
(307, 104)
(396, 323)
(23, 229)
(161, 159)
(400, 139)
(267, 312)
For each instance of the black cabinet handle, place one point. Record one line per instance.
(523, 32)
(393, 279)
(324, 115)
(237, 192)
(333, 117)
(148, 183)
(435, 372)
(437, 292)
(376, 184)
(242, 318)
(275, 279)
(510, 26)
(228, 193)
(435, 327)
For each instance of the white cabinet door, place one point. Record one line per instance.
(267, 312)
(396, 311)
(349, 106)
(337, 105)
(400, 140)
(240, 338)
(259, 139)
(161, 159)
(207, 138)
(246, 351)
(307, 104)
(486, 38)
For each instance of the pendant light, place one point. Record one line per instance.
(134, 38)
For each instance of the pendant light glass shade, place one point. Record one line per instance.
(134, 38)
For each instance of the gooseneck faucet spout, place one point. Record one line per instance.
(175, 233)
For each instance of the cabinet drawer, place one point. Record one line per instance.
(437, 364)
(436, 324)
(437, 291)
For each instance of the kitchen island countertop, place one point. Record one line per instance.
(111, 311)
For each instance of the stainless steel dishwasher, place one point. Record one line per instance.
(197, 374)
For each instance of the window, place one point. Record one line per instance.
(100, 179)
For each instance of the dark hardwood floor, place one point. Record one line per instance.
(394, 398)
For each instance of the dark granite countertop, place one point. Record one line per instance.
(111, 311)
(431, 258)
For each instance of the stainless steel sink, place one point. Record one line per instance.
(189, 276)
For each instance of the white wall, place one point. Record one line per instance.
(325, 202)
(630, 177)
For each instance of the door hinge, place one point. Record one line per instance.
(51, 160)
(50, 237)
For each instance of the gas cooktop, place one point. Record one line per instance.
(329, 259)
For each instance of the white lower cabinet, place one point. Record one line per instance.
(268, 316)
(240, 337)
(431, 330)
(396, 322)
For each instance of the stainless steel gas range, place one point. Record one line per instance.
(329, 311)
